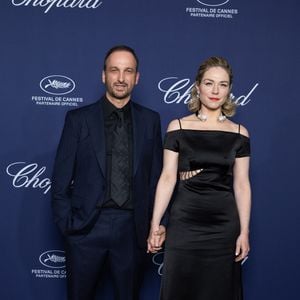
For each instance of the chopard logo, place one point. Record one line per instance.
(57, 85)
(213, 3)
(28, 175)
(175, 90)
(53, 259)
(48, 4)
(157, 259)
(178, 90)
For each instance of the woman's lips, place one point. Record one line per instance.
(214, 99)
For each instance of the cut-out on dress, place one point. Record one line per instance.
(204, 223)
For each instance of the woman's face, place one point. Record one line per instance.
(214, 88)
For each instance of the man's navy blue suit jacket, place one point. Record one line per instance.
(79, 183)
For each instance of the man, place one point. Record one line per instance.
(106, 169)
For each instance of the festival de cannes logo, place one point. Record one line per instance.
(54, 259)
(213, 2)
(57, 85)
(55, 263)
(214, 9)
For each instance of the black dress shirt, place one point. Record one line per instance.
(110, 122)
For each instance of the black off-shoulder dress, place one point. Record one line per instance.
(204, 223)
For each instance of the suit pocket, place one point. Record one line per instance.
(76, 235)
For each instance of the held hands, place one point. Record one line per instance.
(156, 239)
(242, 247)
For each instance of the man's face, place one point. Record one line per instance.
(120, 76)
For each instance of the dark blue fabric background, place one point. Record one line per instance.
(260, 40)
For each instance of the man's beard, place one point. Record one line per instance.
(119, 95)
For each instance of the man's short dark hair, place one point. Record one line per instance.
(120, 48)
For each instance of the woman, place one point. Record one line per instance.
(208, 231)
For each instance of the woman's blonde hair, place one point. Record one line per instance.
(194, 105)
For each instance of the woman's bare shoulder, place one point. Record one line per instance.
(239, 128)
(176, 123)
(173, 125)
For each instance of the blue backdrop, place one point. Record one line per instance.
(51, 56)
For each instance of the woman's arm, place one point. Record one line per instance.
(164, 191)
(242, 191)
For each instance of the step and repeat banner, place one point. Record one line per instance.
(51, 55)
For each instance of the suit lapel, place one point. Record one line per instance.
(138, 133)
(95, 122)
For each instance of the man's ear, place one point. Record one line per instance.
(137, 78)
(103, 76)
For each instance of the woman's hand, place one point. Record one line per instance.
(156, 238)
(242, 247)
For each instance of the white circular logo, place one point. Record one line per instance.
(54, 259)
(213, 3)
(57, 85)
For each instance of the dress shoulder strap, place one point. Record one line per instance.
(179, 124)
(239, 128)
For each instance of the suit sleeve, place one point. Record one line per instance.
(63, 173)
(157, 158)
